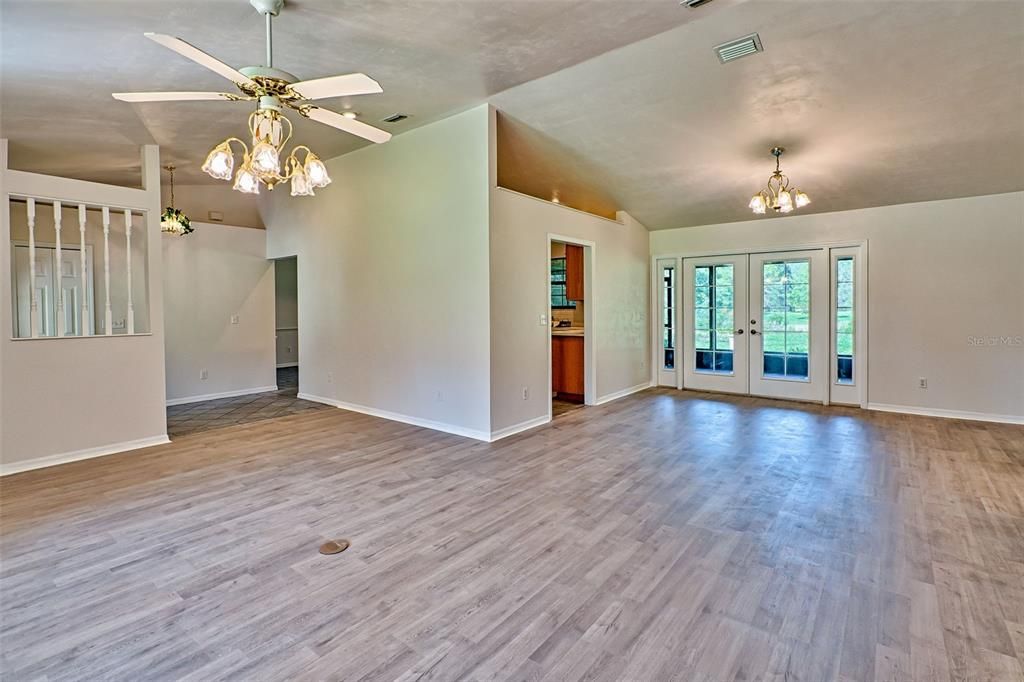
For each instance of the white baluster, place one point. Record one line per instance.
(33, 317)
(85, 282)
(128, 249)
(59, 265)
(108, 313)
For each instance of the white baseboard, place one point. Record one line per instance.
(76, 455)
(519, 428)
(287, 364)
(403, 418)
(225, 394)
(623, 393)
(948, 414)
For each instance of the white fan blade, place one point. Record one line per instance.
(171, 96)
(349, 125)
(201, 58)
(337, 86)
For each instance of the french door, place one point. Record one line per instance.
(757, 324)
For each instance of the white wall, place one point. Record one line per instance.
(393, 276)
(940, 274)
(520, 275)
(65, 399)
(287, 311)
(214, 273)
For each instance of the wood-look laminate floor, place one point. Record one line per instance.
(664, 536)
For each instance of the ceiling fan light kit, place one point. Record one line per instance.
(777, 196)
(273, 90)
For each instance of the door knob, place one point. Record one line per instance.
(739, 331)
(753, 322)
(753, 332)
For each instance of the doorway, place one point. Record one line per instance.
(571, 373)
(286, 322)
(786, 324)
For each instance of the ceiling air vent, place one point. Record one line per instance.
(394, 118)
(694, 4)
(741, 47)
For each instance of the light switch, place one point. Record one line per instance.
(543, 320)
(234, 319)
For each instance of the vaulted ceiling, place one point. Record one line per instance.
(61, 59)
(876, 102)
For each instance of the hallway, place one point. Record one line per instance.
(183, 420)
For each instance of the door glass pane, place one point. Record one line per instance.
(845, 323)
(714, 318)
(668, 353)
(786, 311)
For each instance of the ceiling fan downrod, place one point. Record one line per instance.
(269, 9)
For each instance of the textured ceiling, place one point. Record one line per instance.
(61, 59)
(877, 103)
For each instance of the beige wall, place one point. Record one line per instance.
(393, 276)
(217, 272)
(940, 275)
(519, 296)
(65, 399)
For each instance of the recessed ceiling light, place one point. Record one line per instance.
(349, 114)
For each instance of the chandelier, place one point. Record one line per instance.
(269, 132)
(172, 220)
(778, 196)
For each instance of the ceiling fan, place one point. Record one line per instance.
(274, 91)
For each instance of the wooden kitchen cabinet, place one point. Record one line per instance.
(573, 272)
(567, 367)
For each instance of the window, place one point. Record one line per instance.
(845, 329)
(558, 299)
(668, 334)
(713, 309)
(786, 307)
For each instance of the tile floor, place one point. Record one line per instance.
(183, 420)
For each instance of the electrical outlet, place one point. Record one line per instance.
(543, 321)
(204, 374)
(439, 397)
(922, 382)
(526, 392)
(330, 377)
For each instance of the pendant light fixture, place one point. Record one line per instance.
(778, 196)
(173, 221)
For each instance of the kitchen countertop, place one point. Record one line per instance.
(567, 331)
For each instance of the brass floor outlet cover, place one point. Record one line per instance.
(334, 546)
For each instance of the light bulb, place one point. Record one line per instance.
(757, 204)
(219, 162)
(246, 181)
(317, 171)
(801, 199)
(785, 201)
(265, 159)
(300, 185)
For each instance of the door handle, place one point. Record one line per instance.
(739, 331)
(753, 332)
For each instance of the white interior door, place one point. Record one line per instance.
(789, 325)
(714, 351)
(77, 301)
